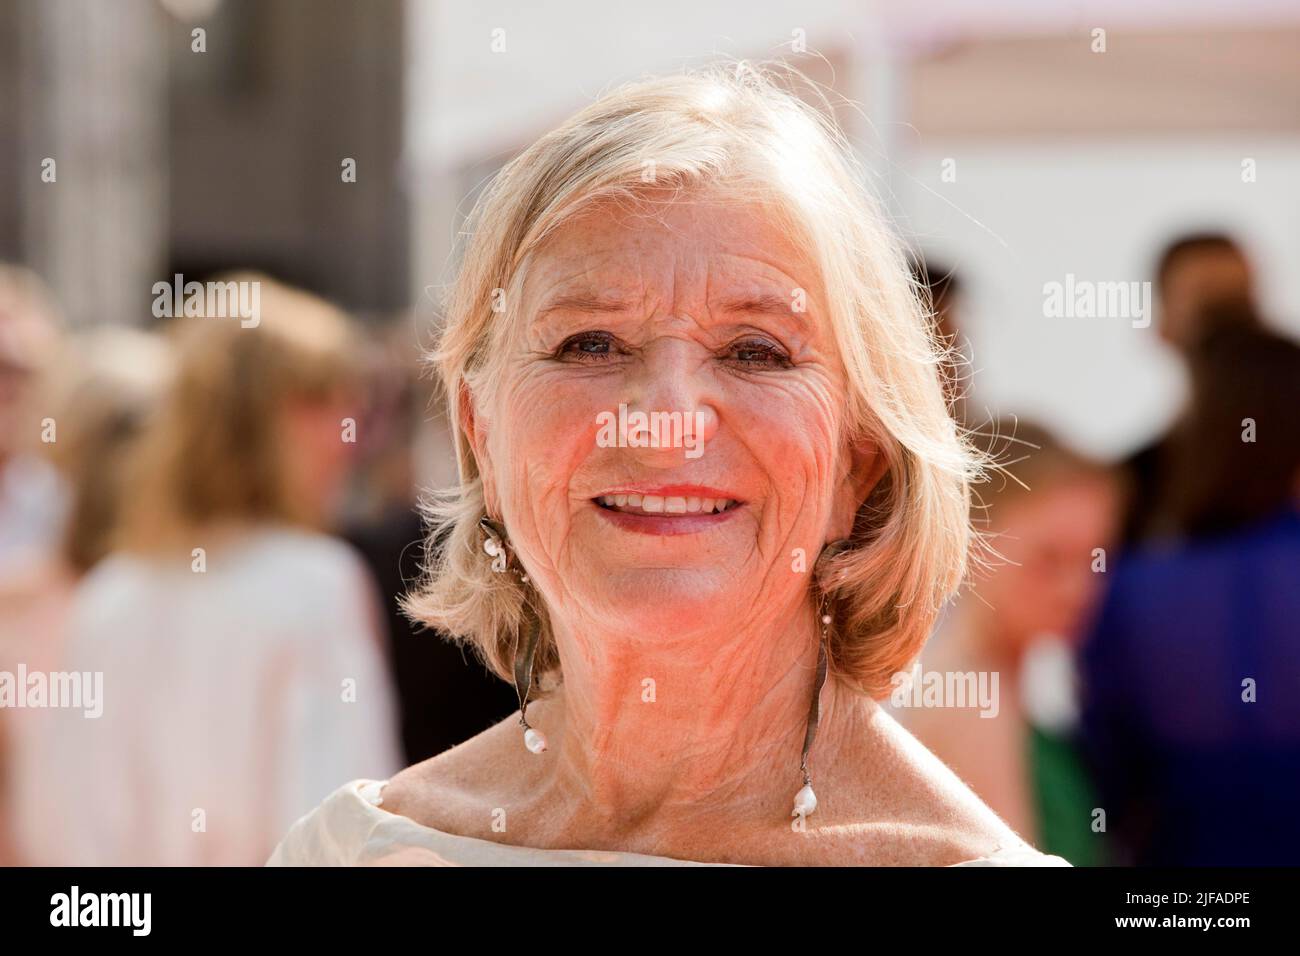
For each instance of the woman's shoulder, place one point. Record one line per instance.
(912, 809)
(449, 791)
(1016, 855)
(895, 804)
(906, 808)
(906, 844)
(360, 825)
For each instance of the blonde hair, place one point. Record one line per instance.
(213, 453)
(1030, 459)
(742, 129)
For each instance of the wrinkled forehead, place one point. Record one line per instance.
(700, 247)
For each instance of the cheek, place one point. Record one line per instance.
(548, 430)
(791, 429)
(776, 439)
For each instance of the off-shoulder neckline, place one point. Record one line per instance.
(368, 797)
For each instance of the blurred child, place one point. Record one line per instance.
(1046, 522)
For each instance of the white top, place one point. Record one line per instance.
(33, 511)
(234, 700)
(350, 829)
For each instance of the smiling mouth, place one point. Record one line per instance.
(665, 506)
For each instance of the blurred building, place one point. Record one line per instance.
(170, 159)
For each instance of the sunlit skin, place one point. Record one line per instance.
(686, 308)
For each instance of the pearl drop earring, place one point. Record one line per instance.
(533, 738)
(805, 801)
(494, 545)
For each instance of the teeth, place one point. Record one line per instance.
(673, 505)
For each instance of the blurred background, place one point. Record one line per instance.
(1143, 623)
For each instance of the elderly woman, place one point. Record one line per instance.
(700, 618)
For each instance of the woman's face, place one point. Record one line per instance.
(1048, 584)
(701, 308)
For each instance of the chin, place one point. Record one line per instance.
(663, 601)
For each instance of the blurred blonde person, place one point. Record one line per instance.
(238, 643)
(94, 398)
(1018, 623)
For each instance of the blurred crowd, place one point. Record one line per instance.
(219, 521)
(1141, 613)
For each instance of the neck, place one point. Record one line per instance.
(671, 730)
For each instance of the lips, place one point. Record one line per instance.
(665, 504)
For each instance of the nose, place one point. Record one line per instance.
(673, 392)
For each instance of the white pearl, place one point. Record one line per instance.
(805, 802)
(534, 741)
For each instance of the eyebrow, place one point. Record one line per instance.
(763, 303)
(584, 302)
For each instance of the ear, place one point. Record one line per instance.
(867, 465)
(475, 429)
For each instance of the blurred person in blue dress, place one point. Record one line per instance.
(1192, 674)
